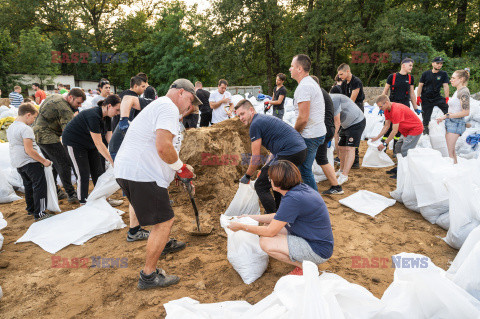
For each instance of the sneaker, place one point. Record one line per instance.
(115, 202)
(334, 190)
(338, 173)
(336, 160)
(157, 279)
(296, 272)
(73, 199)
(356, 165)
(43, 216)
(61, 194)
(392, 171)
(173, 246)
(141, 234)
(342, 179)
(394, 176)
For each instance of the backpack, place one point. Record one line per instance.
(393, 83)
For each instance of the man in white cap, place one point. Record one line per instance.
(145, 166)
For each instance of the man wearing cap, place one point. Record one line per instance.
(428, 92)
(145, 166)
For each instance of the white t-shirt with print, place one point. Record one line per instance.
(309, 90)
(16, 132)
(219, 114)
(138, 159)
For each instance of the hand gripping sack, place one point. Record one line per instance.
(106, 186)
(52, 197)
(245, 201)
(243, 250)
(375, 158)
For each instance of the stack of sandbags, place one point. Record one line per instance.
(374, 122)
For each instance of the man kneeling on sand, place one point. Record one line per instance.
(300, 229)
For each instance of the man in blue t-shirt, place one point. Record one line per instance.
(279, 138)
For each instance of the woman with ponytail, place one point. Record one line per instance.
(458, 109)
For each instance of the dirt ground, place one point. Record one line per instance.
(33, 288)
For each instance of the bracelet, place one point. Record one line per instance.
(177, 165)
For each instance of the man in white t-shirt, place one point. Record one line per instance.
(309, 107)
(221, 103)
(146, 164)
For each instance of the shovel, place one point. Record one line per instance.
(187, 182)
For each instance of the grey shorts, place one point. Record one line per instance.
(406, 143)
(299, 250)
(456, 126)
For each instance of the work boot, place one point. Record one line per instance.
(156, 279)
(173, 246)
(141, 234)
(356, 165)
(73, 199)
(61, 194)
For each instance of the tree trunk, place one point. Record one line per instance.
(460, 28)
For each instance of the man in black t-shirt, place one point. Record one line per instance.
(401, 85)
(279, 95)
(428, 93)
(205, 110)
(150, 93)
(337, 88)
(351, 85)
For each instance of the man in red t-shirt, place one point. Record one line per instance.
(39, 93)
(403, 120)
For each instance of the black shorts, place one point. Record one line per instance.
(352, 135)
(150, 201)
(321, 157)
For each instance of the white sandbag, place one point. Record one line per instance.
(7, 194)
(409, 198)
(236, 98)
(288, 104)
(13, 177)
(444, 221)
(464, 208)
(464, 269)
(12, 112)
(402, 166)
(375, 158)
(5, 156)
(366, 202)
(424, 141)
(245, 201)
(74, 227)
(421, 290)
(243, 250)
(3, 224)
(433, 212)
(436, 132)
(52, 196)
(188, 308)
(105, 187)
(318, 173)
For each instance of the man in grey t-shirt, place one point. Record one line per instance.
(309, 106)
(350, 118)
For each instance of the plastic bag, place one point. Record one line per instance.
(437, 132)
(245, 201)
(52, 197)
(366, 202)
(105, 187)
(375, 158)
(317, 169)
(188, 308)
(7, 194)
(464, 268)
(243, 250)
(421, 290)
(402, 166)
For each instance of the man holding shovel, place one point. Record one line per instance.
(145, 166)
(280, 139)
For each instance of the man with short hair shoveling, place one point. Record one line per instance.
(145, 166)
(279, 138)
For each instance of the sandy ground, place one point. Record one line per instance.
(32, 287)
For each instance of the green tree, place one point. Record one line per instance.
(7, 51)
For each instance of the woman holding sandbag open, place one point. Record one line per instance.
(300, 229)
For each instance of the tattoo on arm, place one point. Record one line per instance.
(465, 101)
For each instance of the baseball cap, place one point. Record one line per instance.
(187, 86)
(438, 59)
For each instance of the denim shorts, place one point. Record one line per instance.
(299, 250)
(456, 126)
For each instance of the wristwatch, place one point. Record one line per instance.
(447, 115)
(384, 143)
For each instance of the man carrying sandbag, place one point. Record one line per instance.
(145, 166)
(403, 120)
(280, 139)
(349, 126)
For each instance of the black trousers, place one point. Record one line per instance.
(427, 108)
(263, 185)
(205, 119)
(35, 183)
(62, 165)
(86, 163)
(191, 121)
